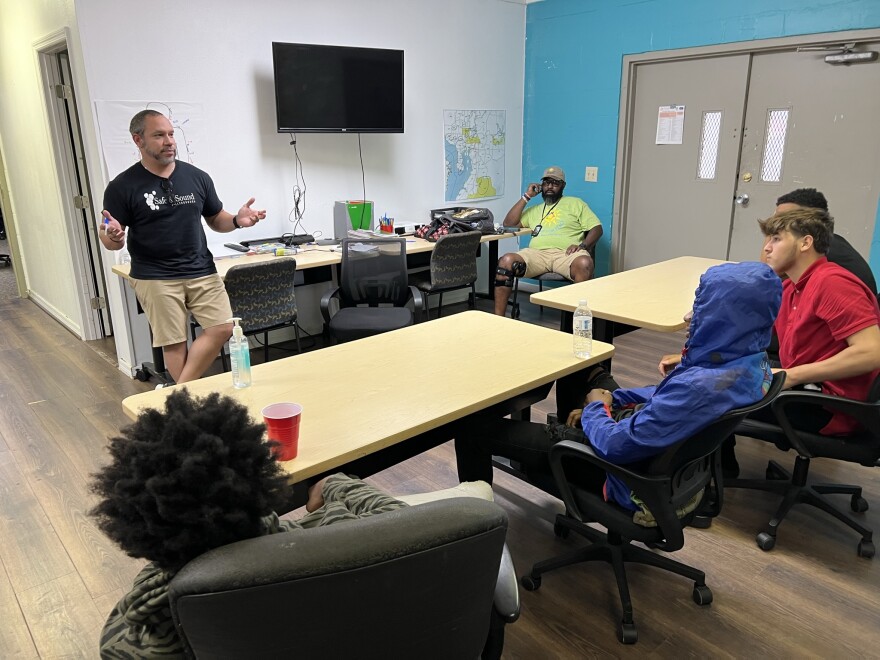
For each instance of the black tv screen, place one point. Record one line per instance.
(328, 89)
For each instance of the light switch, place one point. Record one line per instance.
(592, 174)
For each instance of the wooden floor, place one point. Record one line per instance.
(60, 400)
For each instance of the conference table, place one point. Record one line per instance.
(372, 403)
(309, 258)
(655, 297)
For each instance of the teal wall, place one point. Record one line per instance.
(574, 55)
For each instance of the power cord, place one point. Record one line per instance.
(298, 192)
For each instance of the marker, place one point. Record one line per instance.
(106, 224)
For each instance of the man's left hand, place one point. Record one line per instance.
(248, 217)
(600, 395)
(572, 249)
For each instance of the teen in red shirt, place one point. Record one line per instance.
(829, 322)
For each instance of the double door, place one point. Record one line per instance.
(755, 126)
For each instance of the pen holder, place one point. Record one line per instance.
(386, 225)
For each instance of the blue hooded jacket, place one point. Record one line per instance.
(724, 366)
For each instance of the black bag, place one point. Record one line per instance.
(474, 219)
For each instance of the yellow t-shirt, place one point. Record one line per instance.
(563, 224)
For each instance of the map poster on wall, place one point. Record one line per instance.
(119, 150)
(473, 145)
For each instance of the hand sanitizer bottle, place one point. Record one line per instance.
(240, 355)
(582, 327)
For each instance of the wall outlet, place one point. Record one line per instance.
(592, 174)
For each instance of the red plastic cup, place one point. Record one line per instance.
(282, 424)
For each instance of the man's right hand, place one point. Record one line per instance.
(668, 363)
(533, 189)
(111, 228)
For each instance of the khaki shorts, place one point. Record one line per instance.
(551, 260)
(168, 304)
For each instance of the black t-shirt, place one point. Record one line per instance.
(844, 254)
(166, 239)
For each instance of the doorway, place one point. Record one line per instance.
(755, 121)
(73, 176)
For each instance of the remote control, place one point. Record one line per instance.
(236, 246)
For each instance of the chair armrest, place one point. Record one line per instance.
(866, 413)
(418, 302)
(325, 303)
(507, 604)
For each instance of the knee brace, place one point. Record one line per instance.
(517, 270)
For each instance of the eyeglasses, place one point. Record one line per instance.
(552, 182)
(167, 186)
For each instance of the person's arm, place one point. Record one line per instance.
(224, 222)
(111, 233)
(344, 497)
(589, 240)
(861, 356)
(514, 215)
(668, 363)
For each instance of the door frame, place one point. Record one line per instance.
(631, 64)
(46, 51)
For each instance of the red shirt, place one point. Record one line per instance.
(827, 305)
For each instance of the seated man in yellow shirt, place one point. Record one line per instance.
(564, 233)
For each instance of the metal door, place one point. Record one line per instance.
(810, 124)
(678, 196)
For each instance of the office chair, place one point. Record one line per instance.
(418, 582)
(862, 448)
(666, 484)
(541, 279)
(262, 295)
(373, 290)
(453, 266)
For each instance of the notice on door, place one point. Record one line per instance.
(670, 124)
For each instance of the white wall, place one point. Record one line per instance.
(458, 54)
(27, 153)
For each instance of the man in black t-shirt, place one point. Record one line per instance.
(160, 201)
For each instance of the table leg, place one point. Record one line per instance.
(493, 263)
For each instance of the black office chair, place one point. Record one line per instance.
(453, 266)
(373, 291)
(862, 448)
(541, 279)
(418, 582)
(262, 295)
(667, 484)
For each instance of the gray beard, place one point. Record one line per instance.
(550, 199)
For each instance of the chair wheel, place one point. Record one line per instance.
(866, 549)
(627, 633)
(561, 531)
(765, 541)
(701, 522)
(702, 594)
(530, 583)
(142, 375)
(858, 504)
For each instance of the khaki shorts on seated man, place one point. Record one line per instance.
(564, 233)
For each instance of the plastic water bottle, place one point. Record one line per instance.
(582, 328)
(240, 356)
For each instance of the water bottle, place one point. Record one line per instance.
(582, 328)
(240, 356)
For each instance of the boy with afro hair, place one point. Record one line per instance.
(188, 479)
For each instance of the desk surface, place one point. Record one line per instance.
(366, 395)
(313, 256)
(654, 297)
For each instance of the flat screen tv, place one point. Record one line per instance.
(330, 89)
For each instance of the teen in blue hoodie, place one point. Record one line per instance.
(724, 366)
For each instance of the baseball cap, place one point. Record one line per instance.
(553, 173)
